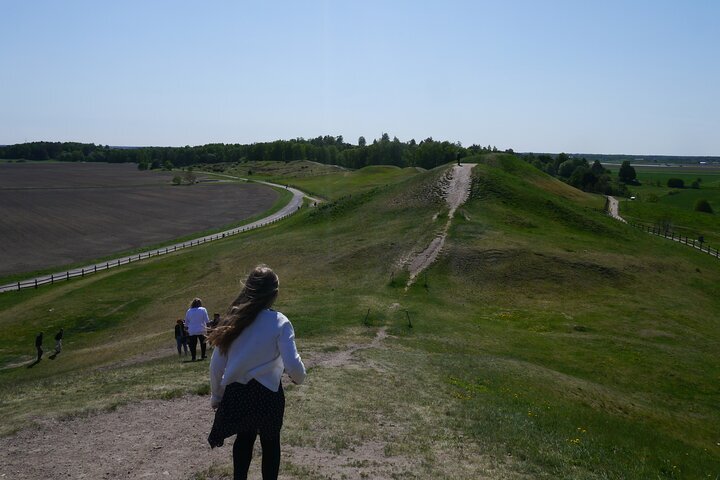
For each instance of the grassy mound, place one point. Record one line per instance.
(547, 340)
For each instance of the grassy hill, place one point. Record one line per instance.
(547, 341)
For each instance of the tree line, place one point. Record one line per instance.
(579, 173)
(327, 149)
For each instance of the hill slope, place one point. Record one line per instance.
(547, 340)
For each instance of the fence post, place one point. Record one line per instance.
(107, 265)
(67, 275)
(52, 278)
(18, 286)
(95, 267)
(36, 283)
(82, 272)
(118, 262)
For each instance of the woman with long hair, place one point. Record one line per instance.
(253, 345)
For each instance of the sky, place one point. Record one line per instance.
(636, 77)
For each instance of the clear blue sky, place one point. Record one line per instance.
(576, 76)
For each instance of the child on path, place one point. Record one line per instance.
(196, 321)
(181, 337)
(253, 346)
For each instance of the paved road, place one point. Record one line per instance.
(292, 207)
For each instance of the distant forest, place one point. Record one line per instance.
(427, 153)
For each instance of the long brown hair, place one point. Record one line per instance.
(259, 292)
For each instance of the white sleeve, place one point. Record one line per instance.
(290, 357)
(218, 361)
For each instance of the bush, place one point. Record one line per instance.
(703, 205)
(177, 180)
(675, 183)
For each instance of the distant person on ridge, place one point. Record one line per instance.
(181, 337)
(196, 321)
(58, 341)
(38, 346)
(253, 346)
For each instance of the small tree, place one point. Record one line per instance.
(702, 205)
(675, 183)
(177, 180)
(627, 173)
(190, 177)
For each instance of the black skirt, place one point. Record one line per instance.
(247, 408)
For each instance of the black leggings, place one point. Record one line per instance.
(242, 454)
(193, 345)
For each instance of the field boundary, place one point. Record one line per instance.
(612, 205)
(292, 207)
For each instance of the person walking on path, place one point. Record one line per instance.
(38, 346)
(58, 341)
(180, 337)
(196, 320)
(253, 345)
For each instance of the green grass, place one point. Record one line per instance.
(656, 204)
(550, 341)
(325, 181)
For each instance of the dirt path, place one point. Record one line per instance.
(456, 188)
(613, 208)
(155, 439)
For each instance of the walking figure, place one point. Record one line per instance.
(181, 337)
(38, 346)
(254, 345)
(58, 341)
(196, 321)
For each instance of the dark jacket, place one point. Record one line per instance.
(38, 340)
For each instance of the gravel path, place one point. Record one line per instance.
(456, 188)
(613, 208)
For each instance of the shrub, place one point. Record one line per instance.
(177, 180)
(675, 183)
(703, 205)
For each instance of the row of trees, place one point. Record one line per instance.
(427, 153)
(579, 173)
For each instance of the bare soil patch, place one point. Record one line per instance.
(455, 186)
(57, 214)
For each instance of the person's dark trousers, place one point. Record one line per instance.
(39, 352)
(242, 455)
(193, 345)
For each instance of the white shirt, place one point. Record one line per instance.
(196, 320)
(262, 351)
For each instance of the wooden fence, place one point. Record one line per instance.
(666, 233)
(98, 267)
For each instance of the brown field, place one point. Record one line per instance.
(54, 214)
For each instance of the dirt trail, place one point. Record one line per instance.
(613, 208)
(456, 187)
(154, 439)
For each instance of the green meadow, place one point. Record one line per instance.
(657, 204)
(547, 341)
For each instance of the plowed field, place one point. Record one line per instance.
(54, 214)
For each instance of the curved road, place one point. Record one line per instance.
(292, 207)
